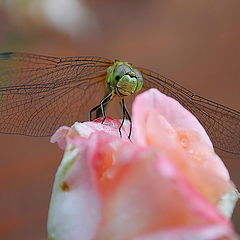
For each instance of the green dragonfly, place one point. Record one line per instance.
(38, 94)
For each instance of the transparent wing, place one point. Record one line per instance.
(39, 93)
(221, 123)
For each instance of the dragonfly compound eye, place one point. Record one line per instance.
(122, 68)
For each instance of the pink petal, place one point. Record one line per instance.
(59, 137)
(161, 122)
(154, 102)
(143, 192)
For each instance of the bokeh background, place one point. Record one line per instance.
(196, 43)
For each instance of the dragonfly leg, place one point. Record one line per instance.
(125, 115)
(130, 120)
(93, 110)
(104, 101)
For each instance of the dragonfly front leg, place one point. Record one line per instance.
(125, 115)
(105, 100)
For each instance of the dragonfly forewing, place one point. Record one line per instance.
(38, 94)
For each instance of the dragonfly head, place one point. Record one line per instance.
(124, 79)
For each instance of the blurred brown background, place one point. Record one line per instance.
(196, 43)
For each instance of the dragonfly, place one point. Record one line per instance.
(40, 93)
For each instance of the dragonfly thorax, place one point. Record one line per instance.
(123, 79)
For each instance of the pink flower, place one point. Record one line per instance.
(166, 184)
